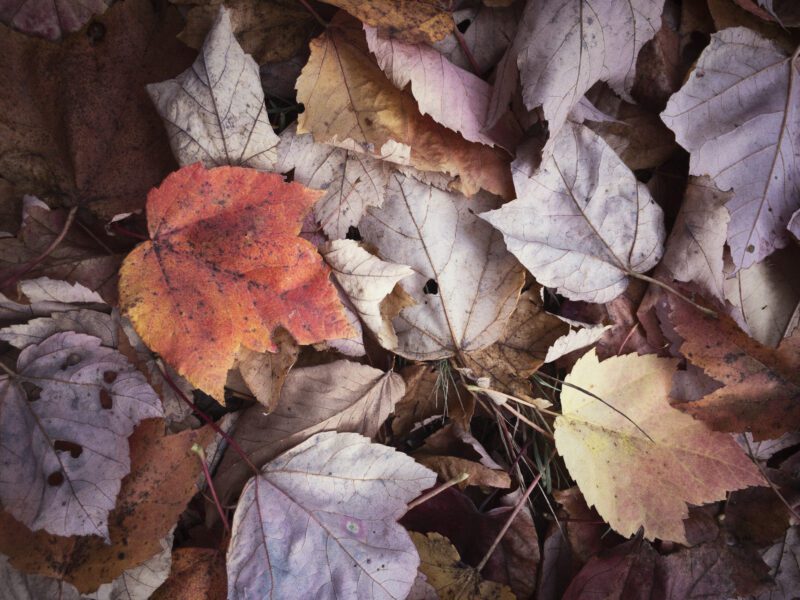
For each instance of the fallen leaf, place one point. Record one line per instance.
(79, 258)
(695, 246)
(411, 21)
(465, 283)
(225, 267)
(794, 225)
(760, 384)
(197, 574)
(661, 64)
(766, 297)
(564, 47)
(214, 111)
(368, 283)
(66, 417)
(270, 31)
(452, 96)
(349, 102)
(24, 586)
(585, 530)
(161, 482)
(522, 348)
(783, 559)
(575, 339)
(339, 497)
(582, 223)
(264, 372)
(339, 396)
(352, 181)
(736, 116)
(449, 576)
(89, 322)
(50, 19)
(76, 125)
(642, 475)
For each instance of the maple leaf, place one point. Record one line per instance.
(349, 102)
(65, 419)
(582, 223)
(408, 20)
(339, 497)
(641, 469)
(339, 396)
(449, 576)
(563, 47)
(740, 126)
(214, 111)
(760, 384)
(352, 181)
(223, 269)
(50, 19)
(465, 284)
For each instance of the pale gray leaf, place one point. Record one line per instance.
(90, 322)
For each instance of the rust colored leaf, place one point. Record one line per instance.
(197, 574)
(160, 484)
(224, 268)
(761, 385)
(349, 102)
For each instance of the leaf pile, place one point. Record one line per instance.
(399, 299)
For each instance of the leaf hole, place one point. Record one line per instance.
(72, 360)
(33, 391)
(109, 376)
(464, 25)
(75, 450)
(96, 32)
(353, 234)
(431, 287)
(55, 479)
(105, 400)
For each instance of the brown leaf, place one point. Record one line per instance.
(349, 102)
(76, 125)
(161, 482)
(197, 574)
(408, 20)
(761, 385)
(50, 19)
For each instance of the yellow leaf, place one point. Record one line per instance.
(642, 475)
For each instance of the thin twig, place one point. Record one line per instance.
(511, 518)
(769, 481)
(197, 449)
(672, 290)
(49, 250)
(438, 490)
(8, 371)
(314, 13)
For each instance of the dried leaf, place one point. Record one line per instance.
(564, 47)
(50, 19)
(642, 475)
(695, 245)
(575, 339)
(214, 111)
(197, 574)
(65, 419)
(339, 497)
(465, 283)
(449, 576)
(582, 223)
(737, 116)
(339, 396)
(161, 482)
(350, 103)
(367, 281)
(784, 560)
(264, 372)
(239, 229)
(411, 21)
(352, 181)
(452, 96)
(761, 384)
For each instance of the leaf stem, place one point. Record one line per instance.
(511, 518)
(672, 290)
(768, 480)
(437, 490)
(465, 49)
(201, 455)
(47, 252)
(8, 371)
(314, 13)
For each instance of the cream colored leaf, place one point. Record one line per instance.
(452, 96)
(340, 396)
(320, 521)
(564, 47)
(642, 475)
(352, 181)
(465, 283)
(214, 112)
(582, 223)
(765, 297)
(264, 372)
(46, 290)
(794, 225)
(90, 322)
(575, 339)
(695, 246)
(367, 281)
(738, 117)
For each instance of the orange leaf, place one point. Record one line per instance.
(223, 269)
